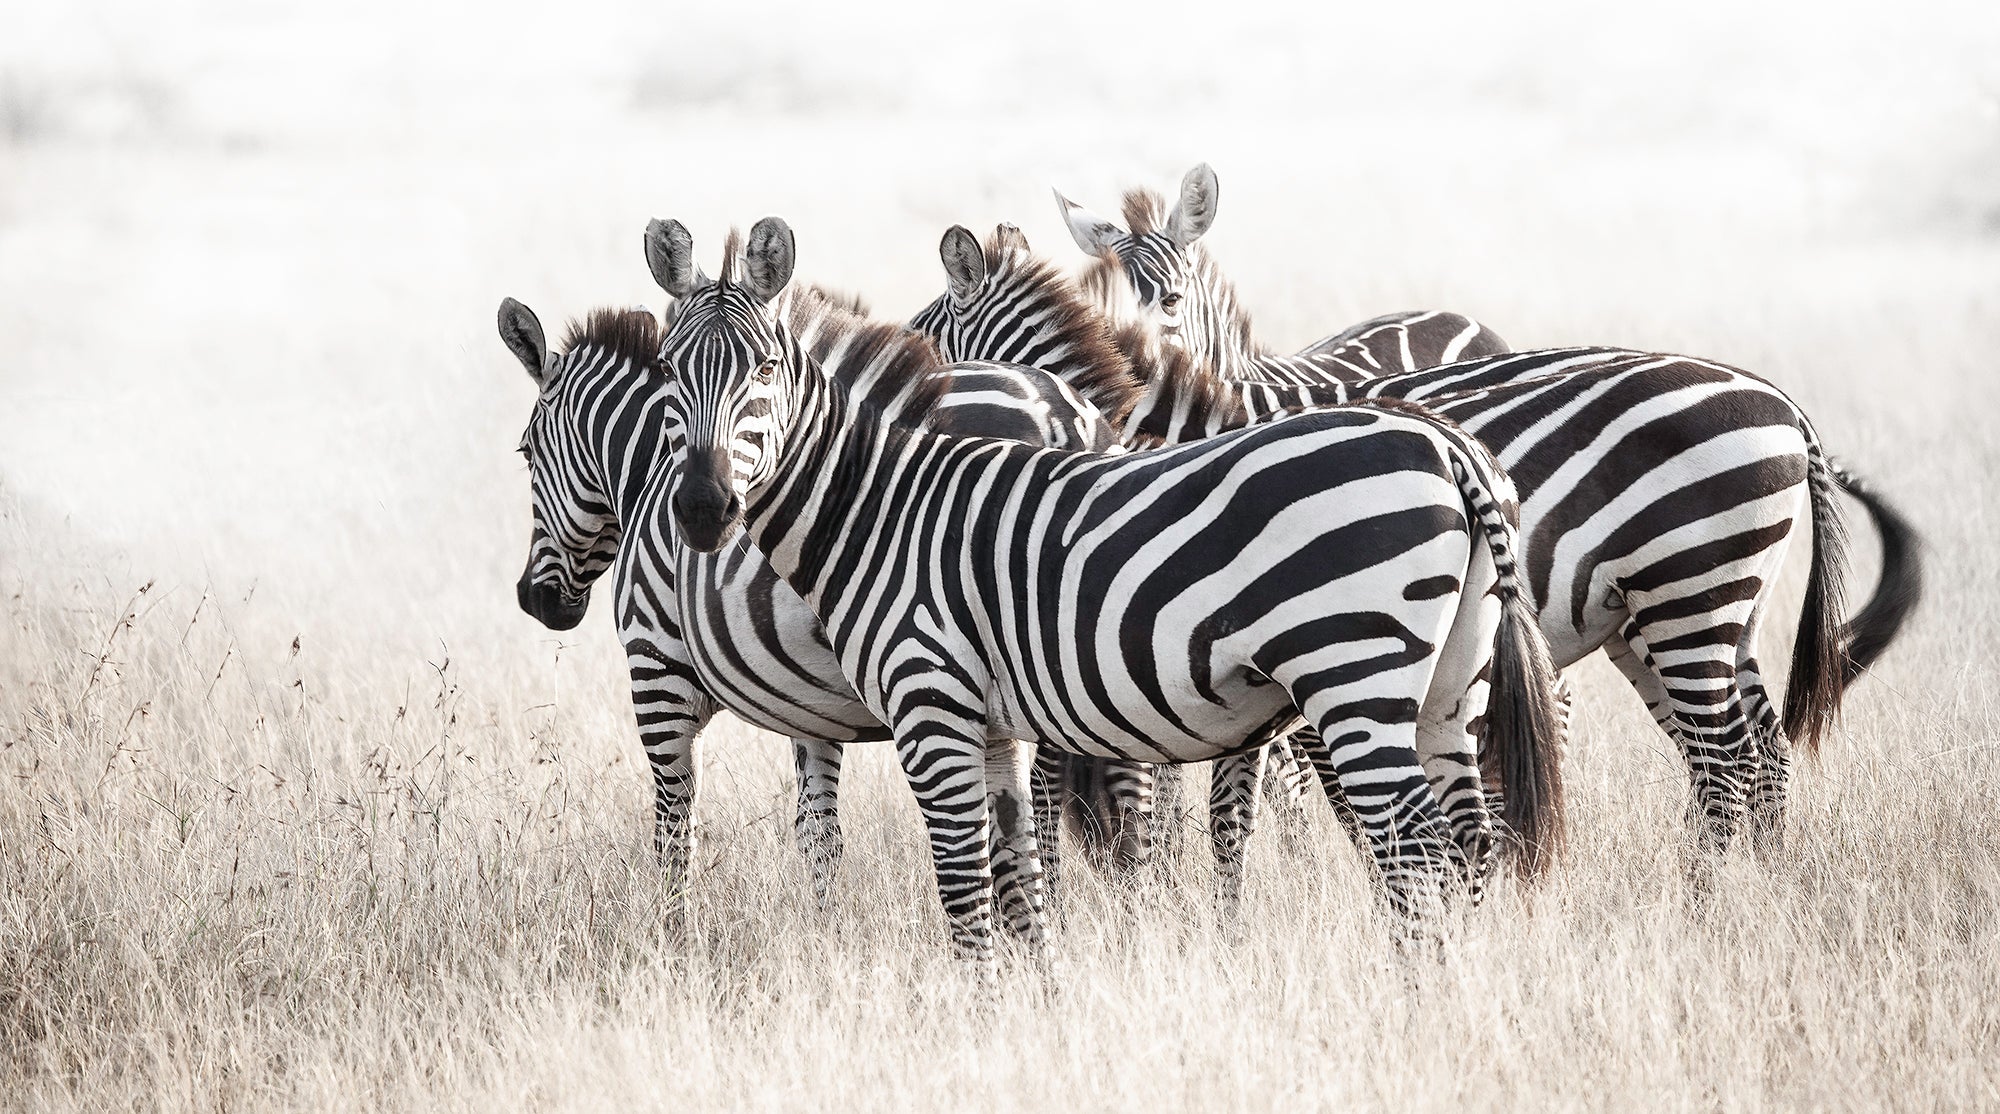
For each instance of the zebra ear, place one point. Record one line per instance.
(964, 262)
(1092, 233)
(670, 256)
(521, 331)
(768, 257)
(1196, 210)
(1010, 237)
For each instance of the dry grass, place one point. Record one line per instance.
(239, 876)
(318, 819)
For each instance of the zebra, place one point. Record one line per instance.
(1002, 302)
(1657, 495)
(978, 592)
(1586, 523)
(704, 632)
(1158, 276)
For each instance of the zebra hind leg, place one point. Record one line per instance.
(1128, 798)
(1769, 785)
(817, 824)
(1307, 740)
(1709, 716)
(1376, 766)
(1012, 846)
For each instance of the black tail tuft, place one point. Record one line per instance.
(1900, 589)
(1524, 724)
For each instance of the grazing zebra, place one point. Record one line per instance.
(1002, 302)
(1649, 485)
(1356, 566)
(1158, 276)
(1657, 495)
(703, 632)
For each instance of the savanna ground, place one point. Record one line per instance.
(299, 810)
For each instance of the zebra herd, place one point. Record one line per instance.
(1055, 532)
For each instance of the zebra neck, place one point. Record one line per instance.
(629, 415)
(1226, 326)
(827, 460)
(1264, 401)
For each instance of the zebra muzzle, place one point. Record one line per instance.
(549, 605)
(705, 510)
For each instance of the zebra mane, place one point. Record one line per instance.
(732, 251)
(626, 333)
(1103, 373)
(879, 365)
(1180, 389)
(1145, 212)
(843, 300)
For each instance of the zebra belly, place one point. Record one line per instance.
(1248, 712)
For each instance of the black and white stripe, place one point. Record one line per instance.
(1354, 566)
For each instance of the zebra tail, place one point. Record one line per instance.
(1524, 713)
(1819, 659)
(1897, 592)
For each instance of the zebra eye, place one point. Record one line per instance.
(1170, 302)
(767, 369)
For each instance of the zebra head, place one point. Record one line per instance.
(576, 532)
(1156, 274)
(734, 368)
(981, 313)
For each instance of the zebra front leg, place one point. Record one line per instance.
(944, 760)
(1234, 790)
(1288, 775)
(817, 824)
(671, 708)
(1017, 868)
(1169, 811)
(1047, 784)
(1128, 802)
